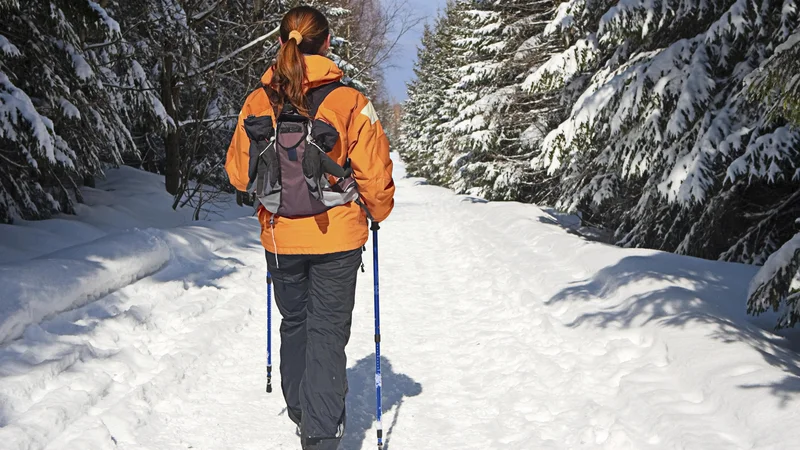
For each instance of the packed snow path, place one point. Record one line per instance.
(500, 330)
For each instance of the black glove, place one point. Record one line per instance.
(243, 198)
(239, 200)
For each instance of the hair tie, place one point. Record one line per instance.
(296, 36)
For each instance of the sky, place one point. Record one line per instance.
(401, 66)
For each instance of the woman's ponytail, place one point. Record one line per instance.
(304, 30)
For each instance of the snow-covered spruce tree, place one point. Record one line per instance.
(777, 285)
(502, 43)
(481, 111)
(664, 144)
(471, 134)
(413, 133)
(428, 109)
(69, 95)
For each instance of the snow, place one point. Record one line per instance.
(127, 199)
(501, 329)
(563, 19)
(735, 19)
(87, 257)
(762, 152)
(338, 11)
(776, 262)
(82, 68)
(561, 67)
(70, 110)
(111, 24)
(8, 48)
(75, 276)
(15, 104)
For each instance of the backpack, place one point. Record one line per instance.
(290, 172)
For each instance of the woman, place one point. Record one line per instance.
(314, 259)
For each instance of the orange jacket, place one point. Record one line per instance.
(361, 138)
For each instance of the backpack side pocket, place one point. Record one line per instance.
(264, 167)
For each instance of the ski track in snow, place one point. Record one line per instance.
(500, 330)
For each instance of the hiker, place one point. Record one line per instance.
(313, 213)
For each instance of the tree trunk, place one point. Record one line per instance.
(172, 141)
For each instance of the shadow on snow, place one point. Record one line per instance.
(361, 401)
(690, 291)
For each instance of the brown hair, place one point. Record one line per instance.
(289, 70)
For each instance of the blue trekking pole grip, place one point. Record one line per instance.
(269, 332)
(378, 379)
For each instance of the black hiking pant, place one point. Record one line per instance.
(315, 295)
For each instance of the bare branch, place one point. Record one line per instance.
(101, 45)
(201, 16)
(230, 55)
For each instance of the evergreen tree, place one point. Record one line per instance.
(666, 143)
(485, 112)
(777, 285)
(493, 162)
(670, 122)
(70, 93)
(472, 133)
(428, 110)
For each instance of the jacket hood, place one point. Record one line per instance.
(319, 70)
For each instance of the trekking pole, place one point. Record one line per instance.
(269, 332)
(378, 380)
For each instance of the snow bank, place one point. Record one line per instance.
(128, 198)
(72, 277)
(117, 237)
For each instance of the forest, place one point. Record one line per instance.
(670, 123)
(154, 84)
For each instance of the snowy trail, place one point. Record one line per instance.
(500, 330)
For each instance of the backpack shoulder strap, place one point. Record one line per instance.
(317, 95)
(275, 111)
